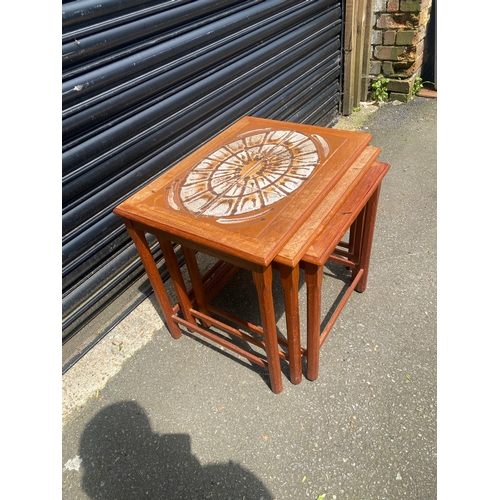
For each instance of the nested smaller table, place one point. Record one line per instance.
(356, 214)
(240, 198)
(350, 205)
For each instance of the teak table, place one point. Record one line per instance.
(240, 198)
(329, 223)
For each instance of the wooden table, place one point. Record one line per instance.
(240, 198)
(350, 206)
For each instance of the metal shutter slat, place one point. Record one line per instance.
(148, 98)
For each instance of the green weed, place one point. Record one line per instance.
(379, 89)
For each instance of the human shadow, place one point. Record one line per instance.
(122, 458)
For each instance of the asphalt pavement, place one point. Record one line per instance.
(147, 416)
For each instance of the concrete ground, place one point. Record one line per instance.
(146, 416)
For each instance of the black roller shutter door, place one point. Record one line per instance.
(147, 82)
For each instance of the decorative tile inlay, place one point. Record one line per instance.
(240, 180)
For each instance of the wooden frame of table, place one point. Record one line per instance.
(240, 198)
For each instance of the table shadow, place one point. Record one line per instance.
(331, 300)
(239, 297)
(122, 458)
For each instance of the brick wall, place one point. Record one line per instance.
(398, 37)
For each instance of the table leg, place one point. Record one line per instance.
(139, 239)
(290, 282)
(352, 238)
(264, 283)
(358, 227)
(314, 275)
(367, 240)
(177, 279)
(196, 281)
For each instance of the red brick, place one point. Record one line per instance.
(420, 48)
(387, 68)
(405, 37)
(410, 5)
(377, 37)
(424, 16)
(428, 93)
(392, 5)
(402, 86)
(398, 21)
(388, 53)
(421, 34)
(407, 67)
(390, 38)
(375, 67)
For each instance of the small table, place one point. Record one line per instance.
(329, 223)
(240, 198)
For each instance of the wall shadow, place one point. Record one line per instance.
(122, 458)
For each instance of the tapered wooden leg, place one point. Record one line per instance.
(357, 228)
(196, 281)
(139, 239)
(177, 279)
(264, 283)
(290, 282)
(367, 240)
(352, 237)
(314, 275)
